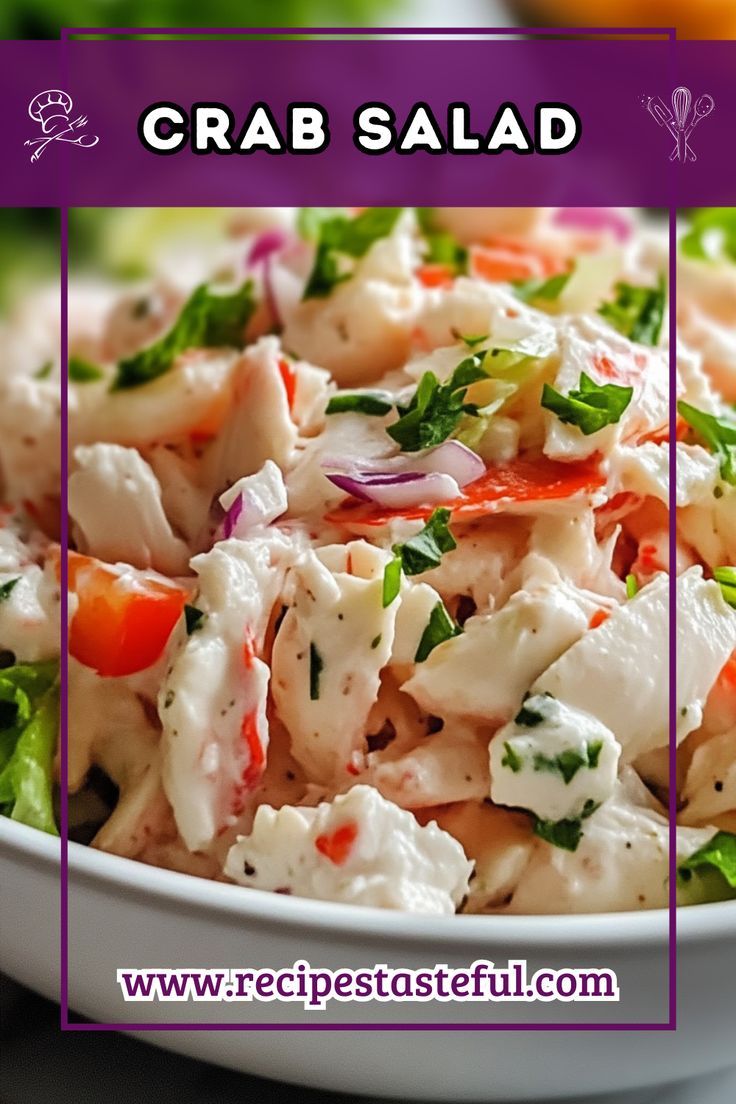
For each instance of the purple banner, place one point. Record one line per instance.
(638, 144)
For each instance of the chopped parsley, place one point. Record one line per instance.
(316, 666)
(193, 619)
(636, 312)
(338, 236)
(359, 402)
(726, 578)
(82, 371)
(718, 854)
(436, 408)
(511, 759)
(530, 716)
(570, 761)
(591, 406)
(376, 641)
(425, 550)
(7, 588)
(44, 371)
(440, 627)
(208, 319)
(712, 235)
(546, 288)
(718, 433)
(391, 580)
(594, 753)
(567, 833)
(632, 586)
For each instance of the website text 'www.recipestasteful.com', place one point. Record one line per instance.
(314, 987)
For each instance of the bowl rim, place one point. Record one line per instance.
(104, 871)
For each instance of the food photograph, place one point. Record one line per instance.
(367, 584)
(369, 560)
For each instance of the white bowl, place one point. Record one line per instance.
(123, 914)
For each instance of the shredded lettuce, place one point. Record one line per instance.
(208, 319)
(712, 235)
(710, 873)
(29, 725)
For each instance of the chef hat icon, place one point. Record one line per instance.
(49, 105)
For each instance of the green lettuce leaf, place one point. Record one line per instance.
(712, 235)
(710, 873)
(29, 725)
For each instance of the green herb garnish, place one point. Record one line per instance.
(591, 406)
(442, 247)
(424, 551)
(316, 666)
(718, 433)
(339, 236)
(44, 371)
(567, 833)
(7, 587)
(511, 759)
(83, 371)
(359, 402)
(632, 586)
(193, 619)
(546, 288)
(528, 715)
(636, 312)
(436, 408)
(569, 762)
(208, 319)
(440, 627)
(391, 580)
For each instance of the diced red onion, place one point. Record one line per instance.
(452, 458)
(267, 243)
(396, 489)
(401, 481)
(595, 219)
(263, 252)
(231, 517)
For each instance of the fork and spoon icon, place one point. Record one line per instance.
(680, 121)
(52, 110)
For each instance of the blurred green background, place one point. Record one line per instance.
(43, 18)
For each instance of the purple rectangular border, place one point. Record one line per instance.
(65, 1023)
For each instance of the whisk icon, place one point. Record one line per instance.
(681, 120)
